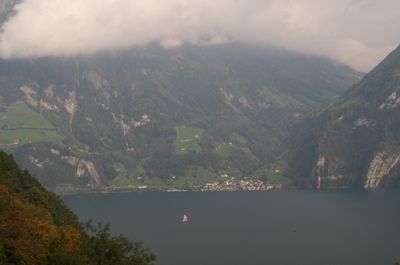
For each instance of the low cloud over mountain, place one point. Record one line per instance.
(357, 32)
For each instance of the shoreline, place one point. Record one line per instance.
(172, 190)
(153, 189)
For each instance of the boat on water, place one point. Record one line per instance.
(185, 218)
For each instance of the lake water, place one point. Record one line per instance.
(343, 227)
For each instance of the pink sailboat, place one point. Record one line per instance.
(185, 218)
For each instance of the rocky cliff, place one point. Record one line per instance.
(354, 141)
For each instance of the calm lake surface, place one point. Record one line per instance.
(343, 227)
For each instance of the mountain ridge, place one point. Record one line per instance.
(150, 116)
(353, 142)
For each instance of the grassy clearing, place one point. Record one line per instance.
(273, 178)
(274, 95)
(225, 150)
(274, 173)
(121, 178)
(195, 176)
(239, 139)
(187, 140)
(19, 115)
(396, 73)
(16, 137)
(125, 178)
(21, 125)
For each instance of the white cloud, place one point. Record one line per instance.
(356, 32)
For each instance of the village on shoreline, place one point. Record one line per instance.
(229, 185)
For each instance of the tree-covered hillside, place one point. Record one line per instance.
(37, 228)
(150, 116)
(355, 141)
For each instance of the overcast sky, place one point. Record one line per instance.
(357, 32)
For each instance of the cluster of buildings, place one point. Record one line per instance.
(229, 184)
(240, 185)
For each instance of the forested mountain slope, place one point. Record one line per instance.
(355, 141)
(154, 116)
(37, 228)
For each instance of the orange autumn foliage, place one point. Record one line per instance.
(29, 231)
(70, 238)
(37, 228)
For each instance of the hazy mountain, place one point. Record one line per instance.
(6, 8)
(354, 142)
(152, 116)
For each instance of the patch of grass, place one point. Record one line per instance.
(348, 104)
(273, 178)
(122, 175)
(195, 176)
(234, 143)
(154, 182)
(396, 73)
(274, 172)
(274, 95)
(239, 139)
(21, 125)
(121, 181)
(26, 136)
(187, 140)
(125, 178)
(19, 115)
(225, 150)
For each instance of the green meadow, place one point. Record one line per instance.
(187, 140)
(20, 125)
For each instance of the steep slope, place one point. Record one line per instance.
(37, 228)
(355, 142)
(152, 116)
